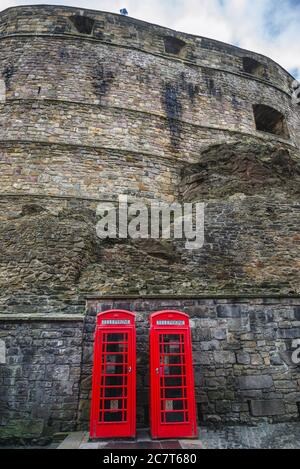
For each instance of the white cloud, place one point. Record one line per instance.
(265, 26)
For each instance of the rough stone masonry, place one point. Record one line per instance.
(93, 105)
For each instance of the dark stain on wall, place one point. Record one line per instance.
(193, 91)
(102, 79)
(64, 54)
(173, 108)
(212, 88)
(61, 26)
(190, 88)
(171, 99)
(7, 74)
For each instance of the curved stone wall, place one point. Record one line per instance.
(137, 35)
(117, 89)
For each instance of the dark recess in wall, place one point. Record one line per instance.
(102, 79)
(173, 45)
(253, 67)
(83, 24)
(268, 119)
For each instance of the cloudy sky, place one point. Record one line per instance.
(271, 27)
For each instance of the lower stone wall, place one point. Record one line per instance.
(39, 377)
(242, 353)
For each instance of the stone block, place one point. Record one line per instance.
(20, 428)
(293, 333)
(267, 408)
(223, 407)
(229, 311)
(297, 313)
(219, 334)
(243, 358)
(255, 382)
(224, 357)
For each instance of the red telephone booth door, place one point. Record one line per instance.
(113, 407)
(172, 396)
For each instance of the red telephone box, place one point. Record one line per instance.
(113, 407)
(172, 395)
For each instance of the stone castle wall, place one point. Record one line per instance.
(242, 355)
(93, 105)
(115, 96)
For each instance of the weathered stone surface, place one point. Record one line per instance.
(243, 358)
(39, 393)
(241, 168)
(292, 333)
(267, 408)
(255, 382)
(228, 311)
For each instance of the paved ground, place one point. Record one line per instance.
(280, 436)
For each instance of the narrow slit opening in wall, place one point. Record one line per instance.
(268, 119)
(253, 67)
(174, 45)
(200, 413)
(83, 24)
(249, 407)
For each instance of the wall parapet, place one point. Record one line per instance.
(130, 32)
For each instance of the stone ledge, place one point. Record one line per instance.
(265, 138)
(59, 197)
(206, 296)
(41, 317)
(256, 134)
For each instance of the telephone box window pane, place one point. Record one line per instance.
(110, 382)
(115, 337)
(114, 404)
(179, 405)
(170, 404)
(115, 392)
(115, 369)
(174, 382)
(171, 348)
(115, 347)
(113, 381)
(173, 370)
(113, 417)
(173, 392)
(172, 337)
(174, 417)
(170, 359)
